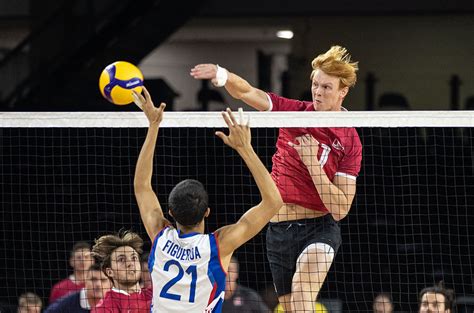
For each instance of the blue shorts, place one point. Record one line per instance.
(286, 240)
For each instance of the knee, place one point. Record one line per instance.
(316, 255)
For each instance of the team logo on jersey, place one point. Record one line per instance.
(337, 145)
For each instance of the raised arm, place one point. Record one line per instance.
(235, 85)
(150, 208)
(251, 223)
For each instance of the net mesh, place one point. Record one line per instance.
(411, 223)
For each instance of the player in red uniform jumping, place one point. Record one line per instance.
(120, 261)
(315, 170)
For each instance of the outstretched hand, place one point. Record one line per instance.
(239, 132)
(154, 114)
(205, 71)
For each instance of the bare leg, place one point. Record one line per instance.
(285, 302)
(312, 267)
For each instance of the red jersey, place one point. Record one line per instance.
(64, 288)
(340, 153)
(119, 301)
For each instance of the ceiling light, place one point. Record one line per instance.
(285, 34)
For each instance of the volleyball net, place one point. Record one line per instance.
(68, 177)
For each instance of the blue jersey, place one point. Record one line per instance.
(187, 273)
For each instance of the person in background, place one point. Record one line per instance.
(436, 299)
(80, 260)
(145, 280)
(383, 303)
(29, 302)
(240, 299)
(96, 286)
(119, 257)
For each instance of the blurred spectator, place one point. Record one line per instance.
(238, 298)
(96, 285)
(270, 297)
(436, 299)
(145, 280)
(383, 303)
(29, 302)
(80, 260)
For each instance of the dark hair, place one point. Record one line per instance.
(144, 257)
(79, 246)
(188, 202)
(383, 294)
(95, 267)
(441, 289)
(106, 245)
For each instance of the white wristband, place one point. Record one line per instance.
(221, 76)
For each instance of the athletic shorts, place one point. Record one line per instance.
(286, 240)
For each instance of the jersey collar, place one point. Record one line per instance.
(181, 235)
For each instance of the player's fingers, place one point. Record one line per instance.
(241, 116)
(312, 141)
(195, 72)
(162, 106)
(136, 100)
(206, 66)
(200, 68)
(143, 101)
(227, 119)
(232, 117)
(307, 139)
(146, 93)
(222, 136)
(248, 121)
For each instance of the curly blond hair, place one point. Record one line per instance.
(337, 62)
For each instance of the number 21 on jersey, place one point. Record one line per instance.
(188, 274)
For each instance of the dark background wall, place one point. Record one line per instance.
(410, 225)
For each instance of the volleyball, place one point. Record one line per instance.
(117, 81)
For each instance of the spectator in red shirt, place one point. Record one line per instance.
(315, 170)
(97, 284)
(80, 260)
(120, 261)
